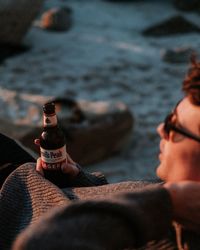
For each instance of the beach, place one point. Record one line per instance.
(104, 56)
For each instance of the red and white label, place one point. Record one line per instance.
(53, 159)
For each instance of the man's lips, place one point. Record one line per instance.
(161, 150)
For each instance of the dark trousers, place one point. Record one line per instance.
(11, 156)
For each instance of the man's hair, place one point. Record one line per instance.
(191, 83)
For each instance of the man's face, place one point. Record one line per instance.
(179, 155)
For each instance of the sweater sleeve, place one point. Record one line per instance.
(139, 217)
(127, 221)
(149, 212)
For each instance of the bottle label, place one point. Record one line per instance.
(53, 159)
(49, 120)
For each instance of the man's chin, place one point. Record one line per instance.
(160, 173)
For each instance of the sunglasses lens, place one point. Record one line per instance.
(170, 125)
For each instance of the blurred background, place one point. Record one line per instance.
(134, 52)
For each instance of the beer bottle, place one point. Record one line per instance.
(52, 140)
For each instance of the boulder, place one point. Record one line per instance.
(16, 17)
(94, 130)
(9, 51)
(55, 19)
(173, 26)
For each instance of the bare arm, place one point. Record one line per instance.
(185, 198)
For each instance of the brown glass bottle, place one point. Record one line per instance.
(52, 140)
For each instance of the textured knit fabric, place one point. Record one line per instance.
(28, 200)
(26, 195)
(85, 218)
(129, 220)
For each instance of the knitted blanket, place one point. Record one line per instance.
(26, 197)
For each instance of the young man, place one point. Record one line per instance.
(180, 134)
(132, 219)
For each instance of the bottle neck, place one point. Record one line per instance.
(49, 120)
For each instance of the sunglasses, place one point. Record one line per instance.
(170, 126)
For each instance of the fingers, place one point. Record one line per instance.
(39, 167)
(70, 168)
(69, 159)
(67, 168)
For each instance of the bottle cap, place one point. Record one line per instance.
(49, 108)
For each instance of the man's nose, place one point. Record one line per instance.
(160, 130)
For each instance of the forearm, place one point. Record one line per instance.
(185, 198)
(150, 213)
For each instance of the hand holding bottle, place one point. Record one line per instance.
(52, 143)
(68, 167)
(52, 140)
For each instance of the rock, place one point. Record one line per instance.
(187, 5)
(94, 130)
(16, 17)
(105, 130)
(10, 51)
(172, 26)
(177, 55)
(56, 19)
